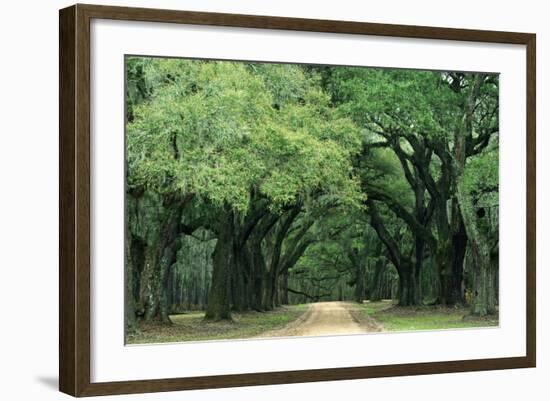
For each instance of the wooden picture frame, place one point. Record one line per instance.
(74, 200)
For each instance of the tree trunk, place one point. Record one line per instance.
(150, 281)
(408, 288)
(284, 289)
(484, 293)
(153, 279)
(455, 295)
(257, 265)
(451, 270)
(359, 294)
(277, 265)
(159, 258)
(219, 307)
(419, 245)
(129, 302)
(167, 261)
(268, 290)
(485, 298)
(443, 252)
(239, 277)
(375, 288)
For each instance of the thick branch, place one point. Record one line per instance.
(404, 214)
(376, 222)
(312, 297)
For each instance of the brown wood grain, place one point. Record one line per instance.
(531, 202)
(67, 293)
(74, 199)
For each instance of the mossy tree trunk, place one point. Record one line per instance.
(360, 290)
(278, 264)
(231, 276)
(358, 268)
(283, 289)
(159, 256)
(484, 301)
(484, 283)
(408, 286)
(257, 264)
(240, 276)
(129, 302)
(219, 306)
(375, 287)
(167, 261)
(455, 294)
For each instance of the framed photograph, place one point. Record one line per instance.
(249, 200)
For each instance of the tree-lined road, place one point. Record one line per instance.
(255, 187)
(329, 318)
(326, 318)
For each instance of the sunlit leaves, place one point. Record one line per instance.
(221, 129)
(480, 178)
(408, 101)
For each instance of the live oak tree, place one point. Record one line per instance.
(475, 180)
(420, 116)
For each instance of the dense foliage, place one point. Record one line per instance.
(252, 185)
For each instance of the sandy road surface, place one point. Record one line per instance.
(325, 318)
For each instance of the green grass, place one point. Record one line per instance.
(395, 318)
(191, 326)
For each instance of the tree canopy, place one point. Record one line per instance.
(299, 182)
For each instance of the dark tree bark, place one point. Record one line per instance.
(240, 275)
(484, 302)
(159, 259)
(257, 267)
(168, 259)
(448, 249)
(360, 284)
(231, 268)
(484, 283)
(375, 288)
(219, 306)
(283, 289)
(408, 287)
(268, 290)
(358, 275)
(277, 263)
(257, 263)
(415, 167)
(455, 292)
(154, 270)
(129, 304)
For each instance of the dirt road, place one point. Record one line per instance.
(328, 318)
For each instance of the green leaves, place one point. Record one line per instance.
(221, 129)
(414, 102)
(480, 178)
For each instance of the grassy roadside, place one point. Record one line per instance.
(395, 318)
(192, 327)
